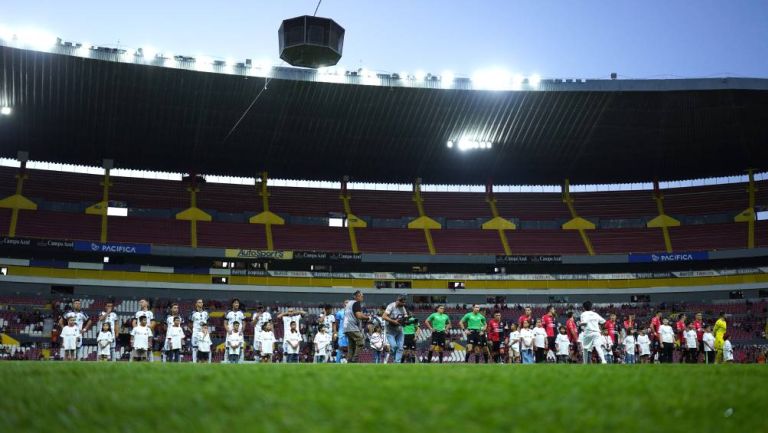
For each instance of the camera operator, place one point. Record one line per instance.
(353, 326)
(394, 315)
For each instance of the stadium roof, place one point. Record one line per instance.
(80, 110)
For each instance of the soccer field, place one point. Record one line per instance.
(42, 396)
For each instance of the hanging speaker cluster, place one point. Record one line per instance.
(311, 42)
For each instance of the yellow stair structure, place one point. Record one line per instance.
(576, 222)
(662, 221)
(423, 222)
(352, 221)
(17, 202)
(193, 214)
(265, 217)
(497, 222)
(748, 215)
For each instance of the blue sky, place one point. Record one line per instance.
(563, 39)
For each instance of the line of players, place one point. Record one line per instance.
(393, 331)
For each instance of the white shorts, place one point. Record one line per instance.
(591, 340)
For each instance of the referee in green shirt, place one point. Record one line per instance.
(438, 323)
(474, 323)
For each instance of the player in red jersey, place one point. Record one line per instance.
(573, 334)
(526, 316)
(655, 335)
(548, 322)
(698, 325)
(610, 326)
(680, 328)
(496, 334)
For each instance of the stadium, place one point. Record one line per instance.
(264, 205)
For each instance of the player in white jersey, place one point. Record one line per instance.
(199, 317)
(169, 322)
(259, 319)
(145, 311)
(235, 314)
(290, 316)
(592, 338)
(82, 322)
(69, 339)
(141, 335)
(110, 317)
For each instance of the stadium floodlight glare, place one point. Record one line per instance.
(419, 75)
(492, 79)
(534, 80)
(446, 78)
(36, 39)
(450, 144)
(149, 53)
(6, 111)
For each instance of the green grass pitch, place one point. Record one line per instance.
(180, 398)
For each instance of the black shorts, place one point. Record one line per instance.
(551, 343)
(438, 339)
(409, 342)
(203, 356)
(476, 338)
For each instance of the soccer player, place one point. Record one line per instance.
(630, 346)
(329, 320)
(322, 345)
(438, 324)
(199, 317)
(591, 337)
(691, 345)
(654, 335)
(109, 317)
(727, 349)
(169, 323)
(82, 322)
(514, 344)
(644, 344)
(259, 319)
(174, 336)
(550, 327)
(146, 311)
(496, 334)
(573, 334)
(667, 335)
(288, 317)
(629, 323)
(235, 314)
(204, 344)
(680, 328)
(410, 327)
(69, 339)
(526, 343)
(141, 335)
(473, 323)
(104, 342)
(563, 346)
(719, 330)
(540, 344)
(610, 326)
(527, 315)
(698, 325)
(234, 343)
(291, 342)
(708, 343)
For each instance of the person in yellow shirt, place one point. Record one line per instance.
(719, 331)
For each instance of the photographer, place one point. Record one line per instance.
(353, 326)
(394, 315)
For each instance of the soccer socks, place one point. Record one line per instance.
(429, 356)
(194, 354)
(440, 356)
(477, 358)
(485, 357)
(466, 357)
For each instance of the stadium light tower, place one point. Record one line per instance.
(6, 111)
